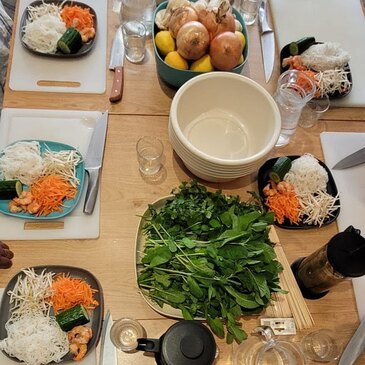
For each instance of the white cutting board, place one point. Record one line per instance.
(351, 187)
(341, 21)
(89, 71)
(90, 359)
(70, 127)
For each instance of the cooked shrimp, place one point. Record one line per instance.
(284, 186)
(14, 207)
(78, 350)
(268, 191)
(294, 62)
(87, 33)
(33, 207)
(79, 335)
(25, 198)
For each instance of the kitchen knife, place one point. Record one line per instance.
(116, 64)
(108, 352)
(355, 347)
(94, 160)
(267, 39)
(354, 159)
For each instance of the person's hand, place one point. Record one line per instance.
(5, 256)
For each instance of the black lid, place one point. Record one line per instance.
(188, 342)
(346, 253)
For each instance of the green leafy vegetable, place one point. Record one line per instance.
(209, 255)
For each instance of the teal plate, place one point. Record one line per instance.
(69, 205)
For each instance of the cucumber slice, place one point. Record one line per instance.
(10, 189)
(298, 47)
(75, 316)
(70, 42)
(280, 168)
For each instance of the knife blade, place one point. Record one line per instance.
(94, 160)
(354, 159)
(355, 347)
(116, 64)
(267, 40)
(108, 352)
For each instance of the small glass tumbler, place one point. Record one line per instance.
(134, 38)
(125, 332)
(140, 10)
(321, 346)
(294, 90)
(149, 153)
(313, 111)
(249, 10)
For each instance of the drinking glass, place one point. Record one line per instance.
(321, 346)
(313, 111)
(149, 153)
(141, 10)
(294, 90)
(125, 332)
(134, 38)
(249, 10)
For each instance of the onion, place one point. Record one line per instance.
(192, 40)
(225, 51)
(217, 21)
(179, 17)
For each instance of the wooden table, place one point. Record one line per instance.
(125, 194)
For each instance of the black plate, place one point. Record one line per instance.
(284, 53)
(86, 47)
(96, 316)
(263, 179)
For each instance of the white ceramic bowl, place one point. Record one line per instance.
(223, 125)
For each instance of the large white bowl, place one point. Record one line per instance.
(223, 125)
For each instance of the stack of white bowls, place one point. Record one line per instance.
(223, 125)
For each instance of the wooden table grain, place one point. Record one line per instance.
(125, 194)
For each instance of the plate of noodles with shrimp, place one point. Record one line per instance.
(40, 321)
(56, 28)
(327, 63)
(304, 196)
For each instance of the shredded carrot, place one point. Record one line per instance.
(69, 292)
(50, 192)
(284, 205)
(77, 17)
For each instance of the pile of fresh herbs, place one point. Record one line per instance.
(209, 255)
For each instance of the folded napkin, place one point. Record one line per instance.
(90, 359)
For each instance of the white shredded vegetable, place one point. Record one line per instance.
(325, 56)
(35, 12)
(62, 163)
(21, 161)
(330, 81)
(35, 339)
(309, 180)
(30, 293)
(43, 33)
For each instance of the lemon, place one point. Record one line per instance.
(203, 64)
(164, 42)
(241, 60)
(241, 37)
(175, 60)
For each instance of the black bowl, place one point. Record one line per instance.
(85, 48)
(263, 179)
(284, 53)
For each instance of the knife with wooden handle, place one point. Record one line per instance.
(116, 64)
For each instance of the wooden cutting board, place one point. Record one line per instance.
(351, 187)
(86, 74)
(341, 21)
(70, 127)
